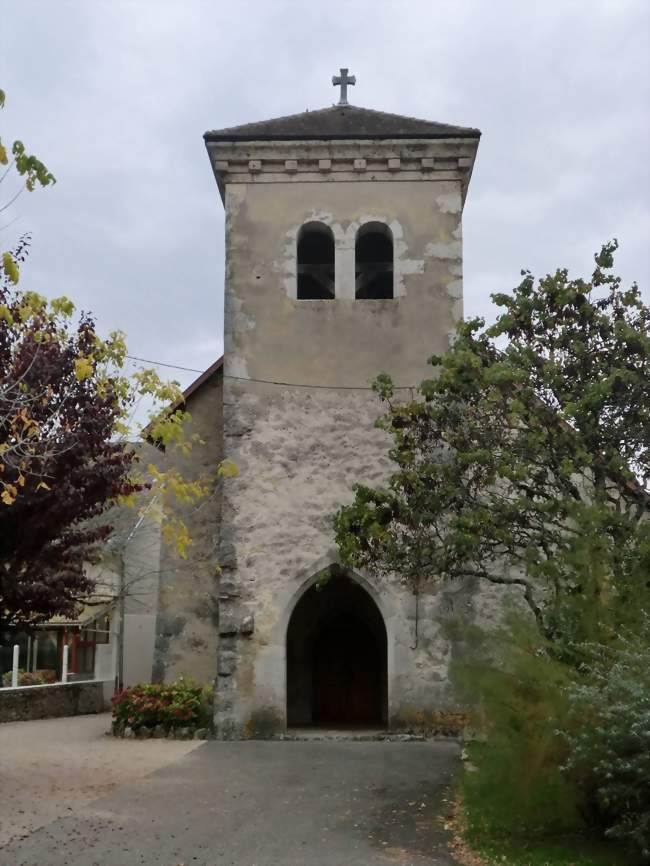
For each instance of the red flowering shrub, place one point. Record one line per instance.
(181, 704)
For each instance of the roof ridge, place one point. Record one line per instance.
(411, 117)
(341, 121)
(282, 117)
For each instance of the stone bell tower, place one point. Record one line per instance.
(343, 260)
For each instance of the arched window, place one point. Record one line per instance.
(374, 262)
(315, 263)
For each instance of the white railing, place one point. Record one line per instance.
(15, 669)
(104, 668)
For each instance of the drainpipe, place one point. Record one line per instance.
(417, 618)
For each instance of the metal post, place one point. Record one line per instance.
(119, 674)
(35, 655)
(64, 671)
(14, 667)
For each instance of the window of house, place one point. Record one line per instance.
(315, 264)
(374, 262)
(85, 652)
(102, 629)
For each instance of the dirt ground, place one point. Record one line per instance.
(51, 767)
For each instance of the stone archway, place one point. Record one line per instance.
(336, 657)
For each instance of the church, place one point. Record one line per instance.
(343, 260)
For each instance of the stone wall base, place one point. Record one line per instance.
(51, 701)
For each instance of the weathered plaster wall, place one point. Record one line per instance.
(141, 557)
(186, 625)
(134, 548)
(300, 447)
(270, 335)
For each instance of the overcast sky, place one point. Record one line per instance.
(115, 97)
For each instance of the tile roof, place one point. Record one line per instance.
(207, 374)
(340, 122)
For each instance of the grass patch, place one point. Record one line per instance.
(570, 851)
(540, 827)
(512, 793)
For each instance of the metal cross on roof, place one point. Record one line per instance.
(343, 80)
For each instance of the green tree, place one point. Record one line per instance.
(525, 464)
(524, 461)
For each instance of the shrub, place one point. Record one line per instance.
(565, 748)
(518, 691)
(31, 678)
(609, 738)
(180, 704)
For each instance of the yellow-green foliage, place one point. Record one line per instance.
(27, 166)
(33, 172)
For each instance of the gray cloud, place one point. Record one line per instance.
(115, 98)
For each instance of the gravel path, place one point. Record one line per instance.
(226, 804)
(52, 767)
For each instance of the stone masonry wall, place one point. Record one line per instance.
(299, 454)
(299, 422)
(45, 702)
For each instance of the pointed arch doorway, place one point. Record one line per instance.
(337, 657)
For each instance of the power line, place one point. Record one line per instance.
(163, 364)
(325, 387)
(271, 381)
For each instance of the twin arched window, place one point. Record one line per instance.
(315, 263)
(373, 262)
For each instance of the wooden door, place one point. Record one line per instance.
(347, 675)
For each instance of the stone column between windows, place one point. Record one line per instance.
(344, 278)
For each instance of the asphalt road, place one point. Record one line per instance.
(262, 804)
